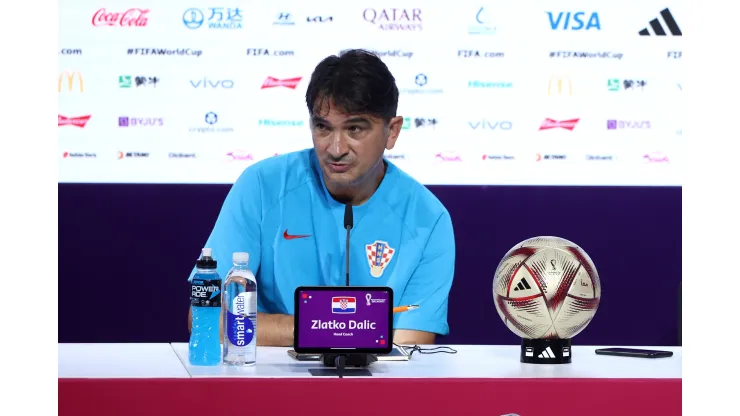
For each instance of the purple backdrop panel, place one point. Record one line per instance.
(125, 252)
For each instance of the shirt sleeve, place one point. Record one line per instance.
(238, 226)
(429, 285)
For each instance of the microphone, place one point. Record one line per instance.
(348, 224)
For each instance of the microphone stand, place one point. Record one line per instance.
(341, 360)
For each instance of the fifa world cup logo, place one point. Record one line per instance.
(368, 297)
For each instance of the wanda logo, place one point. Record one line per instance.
(131, 17)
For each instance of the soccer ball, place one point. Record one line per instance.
(546, 288)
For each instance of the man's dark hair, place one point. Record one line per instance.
(356, 82)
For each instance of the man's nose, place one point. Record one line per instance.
(338, 146)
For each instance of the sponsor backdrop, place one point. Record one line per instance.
(565, 115)
(493, 93)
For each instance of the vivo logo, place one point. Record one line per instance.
(490, 125)
(206, 83)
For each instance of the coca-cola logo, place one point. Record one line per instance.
(131, 17)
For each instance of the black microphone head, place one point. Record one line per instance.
(348, 217)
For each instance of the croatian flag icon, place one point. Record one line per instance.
(343, 305)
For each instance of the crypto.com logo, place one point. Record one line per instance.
(70, 77)
(565, 124)
(291, 83)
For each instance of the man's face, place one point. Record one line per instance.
(349, 147)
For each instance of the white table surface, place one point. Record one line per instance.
(120, 361)
(471, 361)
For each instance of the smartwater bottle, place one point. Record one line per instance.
(205, 300)
(240, 314)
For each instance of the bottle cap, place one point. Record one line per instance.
(206, 261)
(240, 257)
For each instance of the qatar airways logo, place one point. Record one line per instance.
(448, 157)
(240, 155)
(131, 17)
(553, 124)
(291, 83)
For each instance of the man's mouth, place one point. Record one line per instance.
(338, 167)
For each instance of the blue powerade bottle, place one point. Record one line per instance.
(205, 300)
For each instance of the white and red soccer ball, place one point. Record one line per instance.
(546, 288)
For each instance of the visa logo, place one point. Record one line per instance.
(574, 21)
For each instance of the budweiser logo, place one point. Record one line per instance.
(271, 82)
(131, 17)
(73, 121)
(565, 124)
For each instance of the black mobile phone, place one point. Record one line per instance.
(304, 357)
(632, 352)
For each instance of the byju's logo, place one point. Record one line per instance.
(484, 25)
(128, 81)
(212, 120)
(615, 84)
(212, 84)
(549, 124)
(280, 123)
(284, 19)
(659, 29)
(628, 125)
(218, 18)
(486, 124)
(271, 82)
(574, 21)
(489, 85)
(140, 122)
(422, 81)
(394, 19)
(347, 304)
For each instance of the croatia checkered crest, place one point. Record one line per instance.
(379, 254)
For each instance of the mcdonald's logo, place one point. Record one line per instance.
(70, 78)
(557, 85)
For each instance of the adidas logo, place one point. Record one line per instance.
(658, 29)
(522, 285)
(547, 353)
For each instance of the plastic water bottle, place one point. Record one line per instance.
(240, 313)
(205, 300)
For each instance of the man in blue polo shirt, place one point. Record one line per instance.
(287, 211)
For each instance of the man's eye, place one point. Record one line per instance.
(320, 126)
(355, 129)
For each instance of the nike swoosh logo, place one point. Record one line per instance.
(293, 237)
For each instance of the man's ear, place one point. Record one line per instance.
(394, 129)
